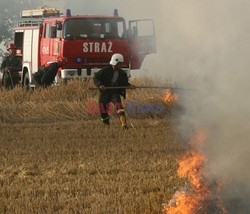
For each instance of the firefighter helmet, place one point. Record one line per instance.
(116, 58)
(11, 46)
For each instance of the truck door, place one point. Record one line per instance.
(55, 40)
(50, 44)
(142, 41)
(45, 44)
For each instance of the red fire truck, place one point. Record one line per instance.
(86, 41)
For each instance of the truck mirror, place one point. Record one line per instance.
(53, 32)
(127, 33)
(59, 26)
(135, 31)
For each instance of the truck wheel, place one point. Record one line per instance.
(26, 81)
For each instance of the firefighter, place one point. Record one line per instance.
(112, 75)
(46, 74)
(10, 66)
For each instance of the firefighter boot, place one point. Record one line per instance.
(106, 121)
(123, 121)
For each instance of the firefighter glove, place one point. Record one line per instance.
(102, 88)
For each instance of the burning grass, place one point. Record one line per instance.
(56, 158)
(200, 196)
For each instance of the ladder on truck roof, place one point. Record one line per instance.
(34, 17)
(30, 22)
(40, 12)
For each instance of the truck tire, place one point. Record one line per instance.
(26, 81)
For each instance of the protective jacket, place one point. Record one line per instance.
(105, 75)
(14, 62)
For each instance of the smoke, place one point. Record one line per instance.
(206, 45)
(58, 4)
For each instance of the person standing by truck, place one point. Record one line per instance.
(112, 75)
(10, 66)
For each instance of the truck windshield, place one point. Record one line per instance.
(94, 28)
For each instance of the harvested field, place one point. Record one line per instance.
(56, 158)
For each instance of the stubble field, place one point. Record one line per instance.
(57, 158)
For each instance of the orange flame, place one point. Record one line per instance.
(169, 97)
(191, 166)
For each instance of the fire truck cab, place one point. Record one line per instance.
(86, 41)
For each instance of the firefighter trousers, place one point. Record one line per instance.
(10, 79)
(105, 99)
